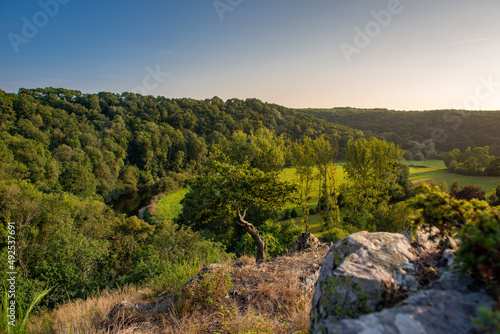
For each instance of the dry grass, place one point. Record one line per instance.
(86, 316)
(271, 297)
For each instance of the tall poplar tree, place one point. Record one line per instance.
(372, 168)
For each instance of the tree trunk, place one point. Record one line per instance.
(306, 211)
(319, 195)
(250, 229)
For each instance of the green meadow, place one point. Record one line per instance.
(421, 171)
(168, 207)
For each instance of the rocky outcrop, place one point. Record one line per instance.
(360, 274)
(379, 274)
(305, 241)
(432, 311)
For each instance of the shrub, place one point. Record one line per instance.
(480, 247)
(172, 255)
(488, 321)
(391, 218)
(294, 213)
(339, 233)
(494, 200)
(469, 193)
(279, 237)
(205, 292)
(474, 223)
(287, 214)
(422, 187)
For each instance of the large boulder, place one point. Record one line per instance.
(362, 273)
(432, 311)
(380, 283)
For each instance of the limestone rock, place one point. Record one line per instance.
(361, 274)
(305, 241)
(423, 239)
(430, 312)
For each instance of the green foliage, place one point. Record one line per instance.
(57, 143)
(62, 240)
(214, 199)
(422, 187)
(448, 129)
(488, 321)
(264, 150)
(115, 143)
(474, 222)
(279, 237)
(339, 232)
(79, 246)
(419, 151)
(170, 256)
(494, 199)
(403, 179)
(476, 161)
(372, 168)
(205, 292)
(480, 247)
(17, 322)
(395, 218)
(287, 214)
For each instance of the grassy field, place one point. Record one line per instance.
(435, 170)
(288, 174)
(314, 224)
(169, 206)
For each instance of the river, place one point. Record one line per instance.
(131, 203)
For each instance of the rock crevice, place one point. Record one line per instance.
(376, 283)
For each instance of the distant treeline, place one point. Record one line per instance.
(443, 130)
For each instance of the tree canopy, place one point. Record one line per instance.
(372, 168)
(225, 197)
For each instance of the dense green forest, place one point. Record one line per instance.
(108, 144)
(65, 156)
(424, 134)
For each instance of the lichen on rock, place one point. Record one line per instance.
(373, 283)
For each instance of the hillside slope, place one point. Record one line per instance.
(448, 129)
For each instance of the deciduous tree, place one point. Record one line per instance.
(231, 191)
(372, 168)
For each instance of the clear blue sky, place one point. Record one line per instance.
(426, 54)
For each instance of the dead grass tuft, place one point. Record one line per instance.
(87, 316)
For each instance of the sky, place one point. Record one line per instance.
(395, 54)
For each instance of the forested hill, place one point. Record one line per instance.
(108, 144)
(448, 129)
